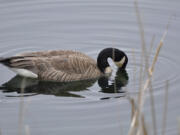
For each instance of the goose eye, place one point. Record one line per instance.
(121, 62)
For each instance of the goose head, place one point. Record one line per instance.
(118, 56)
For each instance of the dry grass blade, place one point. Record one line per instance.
(137, 114)
(141, 28)
(155, 58)
(147, 57)
(133, 107)
(144, 126)
(133, 124)
(159, 47)
(152, 108)
(151, 92)
(142, 90)
(152, 68)
(143, 44)
(165, 109)
(142, 129)
(134, 120)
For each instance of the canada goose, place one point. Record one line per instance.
(64, 66)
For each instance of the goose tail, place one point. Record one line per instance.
(1, 58)
(5, 61)
(8, 60)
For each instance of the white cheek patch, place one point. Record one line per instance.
(121, 62)
(108, 70)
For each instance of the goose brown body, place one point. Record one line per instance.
(60, 65)
(64, 66)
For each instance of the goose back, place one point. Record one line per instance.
(61, 66)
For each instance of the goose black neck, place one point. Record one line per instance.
(113, 53)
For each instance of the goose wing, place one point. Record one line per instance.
(68, 68)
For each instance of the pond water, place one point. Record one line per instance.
(88, 26)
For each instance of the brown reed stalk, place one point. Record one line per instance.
(142, 90)
(133, 107)
(160, 46)
(146, 84)
(144, 129)
(153, 113)
(143, 46)
(151, 93)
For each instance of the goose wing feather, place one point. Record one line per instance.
(68, 68)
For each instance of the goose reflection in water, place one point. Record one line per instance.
(34, 87)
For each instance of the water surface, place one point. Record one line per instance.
(88, 26)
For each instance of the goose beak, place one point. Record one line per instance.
(120, 63)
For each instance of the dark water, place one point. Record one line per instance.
(94, 106)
